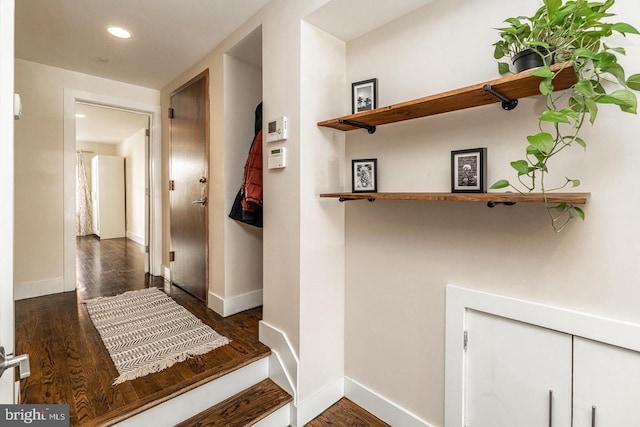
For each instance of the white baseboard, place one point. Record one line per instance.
(313, 406)
(37, 289)
(136, 238)
(286, 375)
(379, 406)
(197, 400)
(232, 305)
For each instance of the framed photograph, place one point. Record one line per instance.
(468, 171)
(364, 95)
(364, 173)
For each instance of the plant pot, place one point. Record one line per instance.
(531, 58)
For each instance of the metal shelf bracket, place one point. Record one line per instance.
(370, 129)
(507, 104)
(494, 204)
(348, 199)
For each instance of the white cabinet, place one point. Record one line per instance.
(511, 368)
(607, 378)
(108, 197)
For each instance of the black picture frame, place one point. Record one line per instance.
(364, 96)
(364, 175)
(469, 171)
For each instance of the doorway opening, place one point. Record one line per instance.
(112, 174)
(73, 99)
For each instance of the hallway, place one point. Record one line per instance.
(69, 363)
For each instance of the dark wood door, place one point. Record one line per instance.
(189, 175)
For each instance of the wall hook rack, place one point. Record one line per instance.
(347, 199)
(507, 104)
(370, 129)
(494, 204)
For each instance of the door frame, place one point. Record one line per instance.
(71, 96)
(459, 300)
(202, 75)
(7, 328)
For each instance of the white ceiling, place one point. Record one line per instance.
(106, 125)
(168, 36)
(350, 19)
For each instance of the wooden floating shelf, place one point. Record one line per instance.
(513, 87)
(573, 198)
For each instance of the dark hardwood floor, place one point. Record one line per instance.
(69, 363)
(345, 413)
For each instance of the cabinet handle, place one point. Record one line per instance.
(593, 416)
(550, 408)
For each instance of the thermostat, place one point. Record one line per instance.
(277, 158)
(277, 129)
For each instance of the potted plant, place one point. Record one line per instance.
(575, 31)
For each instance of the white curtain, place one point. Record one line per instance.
(84, 223)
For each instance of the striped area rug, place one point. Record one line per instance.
(146, 331)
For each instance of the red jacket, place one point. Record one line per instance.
(252, 181)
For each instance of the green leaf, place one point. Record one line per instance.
(579, 212)
(585, 53)
(552, 5)
(544, 72)
(503, 183)
(554, 116)
(574, 182)
(624, 28)
(633, 82)
(500, 50)
(625, 99)
(593, 109)
(543, 141)
(521, 166)
(546, 87)
(533, 151)
(617, 49)
(585, 87)
(580, 142)
(605, 59)
(503, 68)
(617, 71)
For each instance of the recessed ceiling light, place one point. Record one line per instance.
(80, 116)
(119, 32)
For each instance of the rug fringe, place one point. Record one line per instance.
(170, 361)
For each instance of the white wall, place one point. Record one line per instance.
(303, 262)
(322, 250)
(133, 151)
(400, 255)
(243, 243)
(39, 168)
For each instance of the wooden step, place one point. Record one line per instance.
(243, 409)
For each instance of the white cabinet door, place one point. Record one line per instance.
(510, 369)
(109, 196)
(608, 378)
